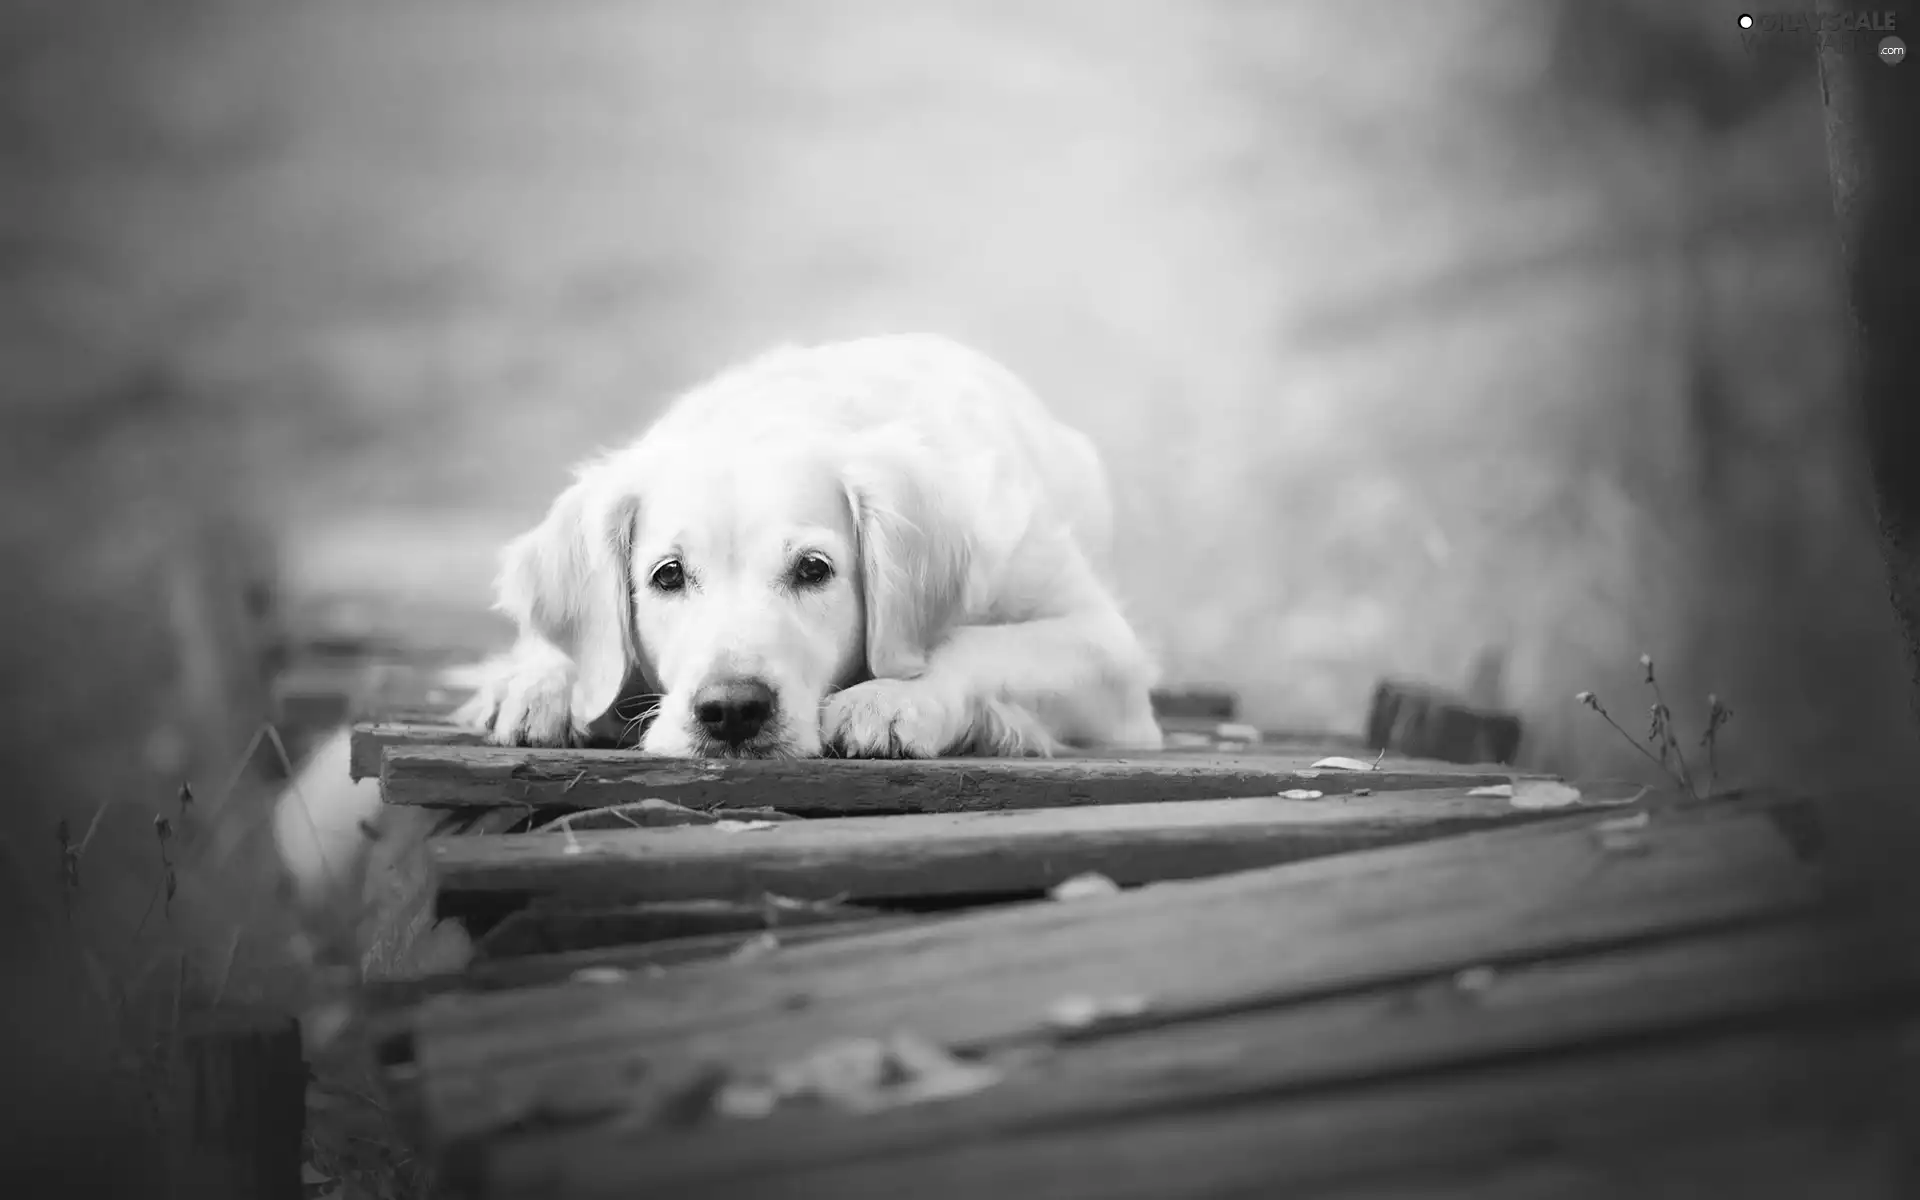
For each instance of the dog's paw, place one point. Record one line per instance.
(892, 718)
(525, 700)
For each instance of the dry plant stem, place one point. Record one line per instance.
(1635, 743)
(226, 970)
(1668, 742)
(93, 827)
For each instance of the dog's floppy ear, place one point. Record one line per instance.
(915, 546)
(570, 580)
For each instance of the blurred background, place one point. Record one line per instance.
(1410, 334)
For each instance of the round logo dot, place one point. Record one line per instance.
(1893, 51)
(1746, 20)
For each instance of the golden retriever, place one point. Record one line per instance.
(875, 548)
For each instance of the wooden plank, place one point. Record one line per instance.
(1579, 1009)
(1196, 719)
(1250, 939)
(491, 776)
(506, 972)
(1195, 703)
(1423, 720)
(1615, 1120)
(867, 859)
(372, 738)
(428, 726)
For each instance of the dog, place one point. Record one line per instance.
(878, 548)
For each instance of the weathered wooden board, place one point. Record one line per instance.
(429, 727)
(493, 776)
(1232, 1067)
(415, 712)
(963, 853)
(371, 738)
(1413, 718)
(1253, 939)
(610, 960)
(1745, 1150)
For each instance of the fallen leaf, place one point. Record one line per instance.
(1502, 790)
(1083, 887)
(1079, 1013)
(860, 1075)
(746, 1101)
(744, 826)
(1544, 793)
(1339, 763)
(776, 901)
(754, 947)
(758, 814)
(1236, 733)
(1475, 979)
(599, 975)
(1300, 794)
(1622, 835)
(650, 813)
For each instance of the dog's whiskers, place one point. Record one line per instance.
(645, 716)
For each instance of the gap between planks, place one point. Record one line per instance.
(865, 859)
(1254, 939)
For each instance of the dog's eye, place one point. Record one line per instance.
(669, 576)
(811, 571)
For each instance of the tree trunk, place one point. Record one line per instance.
(1873, 150)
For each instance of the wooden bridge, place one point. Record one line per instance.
(1246, 966)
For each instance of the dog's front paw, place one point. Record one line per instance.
(525, 700)
(892, 718)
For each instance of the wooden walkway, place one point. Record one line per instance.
(1238, 968)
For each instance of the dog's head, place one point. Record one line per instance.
(734, 590)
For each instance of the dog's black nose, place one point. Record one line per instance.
(733, 710)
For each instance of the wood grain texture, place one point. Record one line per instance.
(429, 727)
(415, 712)
(493, 776)
(963, 853)
(556, 925)
(1257, 938)
(371, 739)
(1278, 1061)
(505, 972)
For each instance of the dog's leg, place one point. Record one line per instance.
(1009, 689)
(526, 697)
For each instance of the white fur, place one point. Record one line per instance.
(318, 823)
(966, 531)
